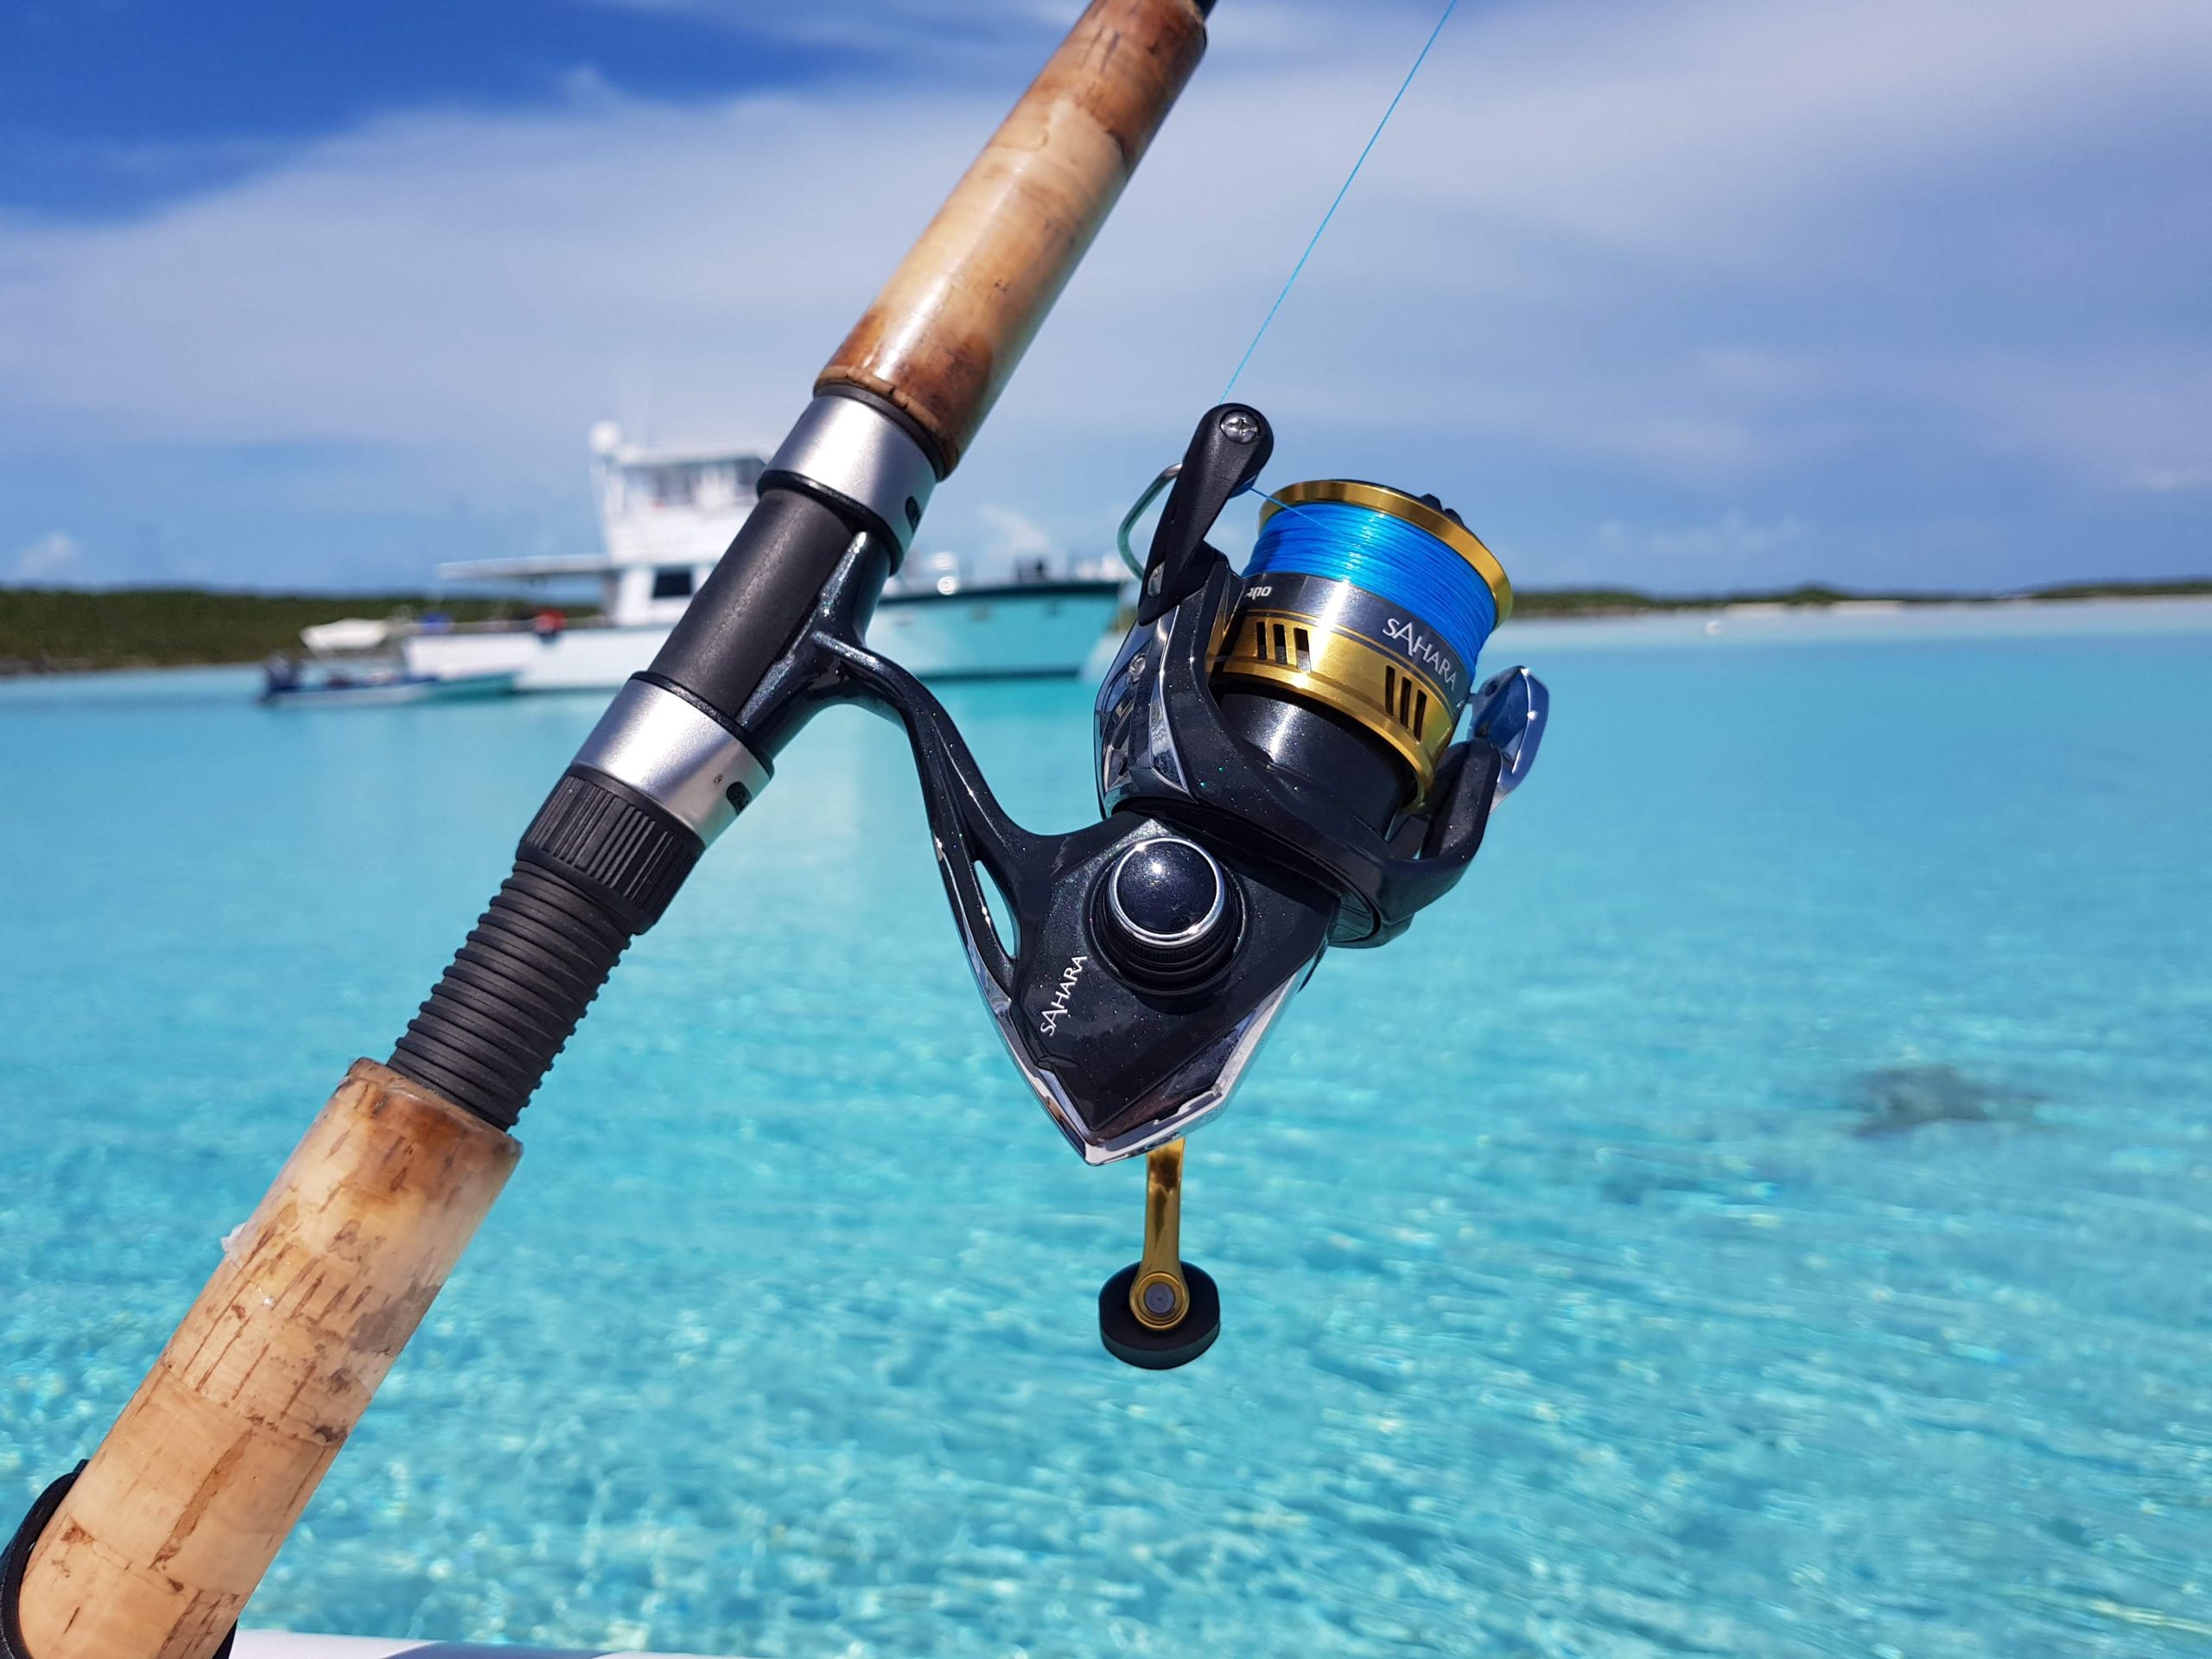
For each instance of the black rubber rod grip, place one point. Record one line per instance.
(596, 867)
(516, 990)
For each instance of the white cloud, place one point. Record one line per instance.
(877, 25)
(1014, 534)
(1735, 539)
(1700, 128)
(51, 558)
(2121, 413)
(1696, 242)
(2169, 481)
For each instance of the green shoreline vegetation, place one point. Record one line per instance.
(55, 630)
(61, 630)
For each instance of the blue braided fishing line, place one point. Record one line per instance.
(1391, 559)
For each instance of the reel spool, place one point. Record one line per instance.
(1362, 607)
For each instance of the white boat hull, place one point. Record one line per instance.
(383, 694)
(1035, 628)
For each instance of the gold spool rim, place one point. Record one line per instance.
(1381, 498)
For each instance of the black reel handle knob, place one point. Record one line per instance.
(1153, 1348)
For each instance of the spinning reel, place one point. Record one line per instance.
(1276, 775)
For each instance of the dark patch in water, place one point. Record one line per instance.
(1705, 1532)
(1634, 1186)
(1896, 1099)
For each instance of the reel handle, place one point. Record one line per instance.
(1160, 1312)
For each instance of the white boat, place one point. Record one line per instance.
(667, 514)
(378, 688)
(354, 663)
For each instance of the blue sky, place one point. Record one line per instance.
(1704, 294)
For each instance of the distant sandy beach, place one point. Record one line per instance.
(1864, 620)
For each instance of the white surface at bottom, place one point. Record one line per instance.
(284, 1644)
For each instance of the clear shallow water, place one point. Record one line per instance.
(1566, 1314)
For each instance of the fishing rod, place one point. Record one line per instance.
(1278, 773)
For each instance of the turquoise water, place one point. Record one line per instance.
(1567, 1312)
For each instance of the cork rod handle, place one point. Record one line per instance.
(948, 328)
(179, 1512)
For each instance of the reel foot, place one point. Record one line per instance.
(1151, 1350)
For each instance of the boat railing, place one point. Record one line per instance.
(413, 627)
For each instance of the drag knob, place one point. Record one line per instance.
(1167, 915)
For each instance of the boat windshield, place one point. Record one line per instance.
(715, 483)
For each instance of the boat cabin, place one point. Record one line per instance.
(665, 515)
